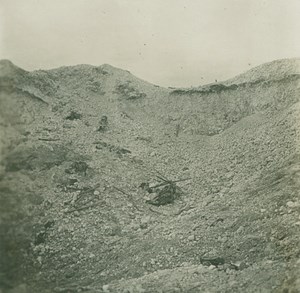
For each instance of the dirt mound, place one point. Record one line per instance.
(111, 184)
(274, 70)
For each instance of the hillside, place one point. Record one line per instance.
(111, 184)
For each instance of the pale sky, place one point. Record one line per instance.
(166, 42)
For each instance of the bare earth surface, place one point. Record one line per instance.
(111, 184)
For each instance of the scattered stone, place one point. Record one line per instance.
(192, 238)
(103, 124)
(78, 167)
(129, 92)
(40, 238)
(145, 219)
(207, 261)
(39, 259)
(229, 175)
(74, 116)
(96, 192)
(101, 145)
(76, 213)
(292, 204)
(69, 275)
(49, 224)
(143, 225)
(105, 288)
(146, 186)
(238, 266)
(240, 229)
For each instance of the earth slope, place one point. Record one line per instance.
(78, 142)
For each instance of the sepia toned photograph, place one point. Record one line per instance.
(149, 146)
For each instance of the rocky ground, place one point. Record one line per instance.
(111, 184)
